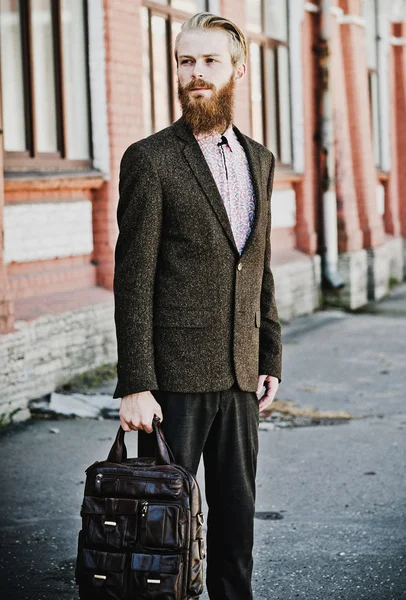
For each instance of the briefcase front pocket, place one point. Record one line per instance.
(156, 576)
(110, 522)
(102, 575)
(132, 486)
(160, 526)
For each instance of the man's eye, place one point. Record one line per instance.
(211, 60)
(185, 62)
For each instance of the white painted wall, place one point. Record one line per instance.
(283, 208)
(47, 230)
(380, 198)
(398, 10)
(214, 6)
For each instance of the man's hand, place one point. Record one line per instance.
(137, 411)
(271, 386)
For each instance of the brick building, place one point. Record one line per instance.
(80, 81)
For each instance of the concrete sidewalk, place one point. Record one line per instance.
(331, 501)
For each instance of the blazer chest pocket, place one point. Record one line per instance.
(183, 318)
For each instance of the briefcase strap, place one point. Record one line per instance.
(164, 456)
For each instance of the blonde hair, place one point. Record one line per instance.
(205, 20)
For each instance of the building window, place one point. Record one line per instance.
(269, 75)
(161, 22)
(44, 84)
(370, 10)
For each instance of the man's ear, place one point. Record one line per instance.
(240, 72)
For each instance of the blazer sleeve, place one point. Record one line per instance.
(139, 217)
(270, 343)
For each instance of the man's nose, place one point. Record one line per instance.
(198, 71)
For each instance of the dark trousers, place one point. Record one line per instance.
(224, 427)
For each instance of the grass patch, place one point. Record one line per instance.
(90, 379)
(7, 417)
(393, 282)
(289, 408)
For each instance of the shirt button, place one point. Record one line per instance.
(239, 266)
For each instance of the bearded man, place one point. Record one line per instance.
(197, 326)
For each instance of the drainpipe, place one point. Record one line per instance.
(328, 199)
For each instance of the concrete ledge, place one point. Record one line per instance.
(368, 274)
(378, 272)
(46, 352)
(352, 267)
(404, 258)
(297, 283)
(394, 248)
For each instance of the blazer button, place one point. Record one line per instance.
(239, 266)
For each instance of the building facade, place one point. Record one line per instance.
(80, 81)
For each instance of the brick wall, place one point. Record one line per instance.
(47, 230)
(399, 96)
(357, 97)
(44, 221)
(6, 302)
(40, 355)
(307, 187)
(350, 236)
(123, 44)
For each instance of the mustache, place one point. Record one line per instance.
(199, 83)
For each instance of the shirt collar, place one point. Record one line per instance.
(208, 139)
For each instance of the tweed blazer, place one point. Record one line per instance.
(191, 314)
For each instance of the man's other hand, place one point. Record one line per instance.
(137, 411)
(271, 386)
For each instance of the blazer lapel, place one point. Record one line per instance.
(256, 176)
(201, 171)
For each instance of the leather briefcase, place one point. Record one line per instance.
(141, 535)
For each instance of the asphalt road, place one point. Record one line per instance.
(340, 489)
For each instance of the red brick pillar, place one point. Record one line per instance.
(363, 162)
(123, 40)
(6, 301)
(307, 189)
(399, 121)
(350, 236)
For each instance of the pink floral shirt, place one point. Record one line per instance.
(229, 166)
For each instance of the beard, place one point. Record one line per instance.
(207, 115)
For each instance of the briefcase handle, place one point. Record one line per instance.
(164, 456)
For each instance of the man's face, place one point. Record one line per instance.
(204, 55)
(206, 79)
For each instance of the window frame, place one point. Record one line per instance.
(30, 159)
(265, 42)
(171, 15)
(375, 114)
(374, 100)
